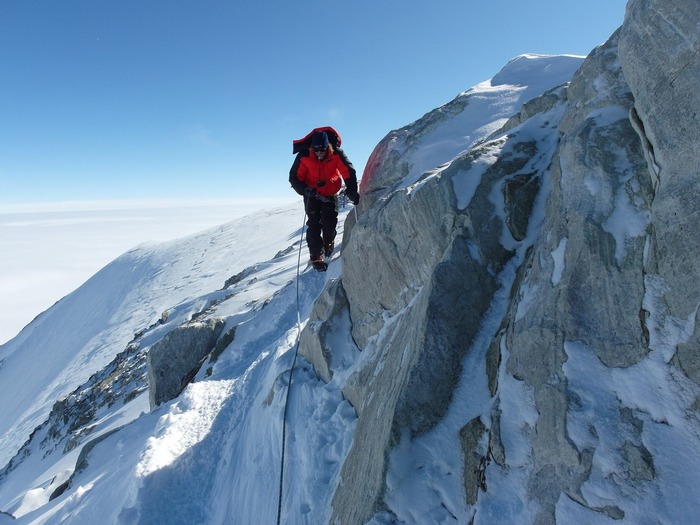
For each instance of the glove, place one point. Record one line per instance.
(309, 192)
(354, 197)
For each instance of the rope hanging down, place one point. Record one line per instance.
(289, 381)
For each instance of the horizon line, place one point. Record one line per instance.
(131, 204)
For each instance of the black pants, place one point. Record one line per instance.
(322, 218)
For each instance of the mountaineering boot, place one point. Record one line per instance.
(328, 249)
(319, 264)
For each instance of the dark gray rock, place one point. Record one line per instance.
(475, 459)
(174, 360)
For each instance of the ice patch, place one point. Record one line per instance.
(666, 332)
(593, 184)
(558, 257)
(625, 223)
(527, 295)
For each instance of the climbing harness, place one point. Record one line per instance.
(291, 372)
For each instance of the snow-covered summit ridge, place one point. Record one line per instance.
(533, 69)
(457, 126)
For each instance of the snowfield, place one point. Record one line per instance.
(224, 428)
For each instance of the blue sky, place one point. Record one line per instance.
(172, 99)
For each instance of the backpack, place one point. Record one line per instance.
(303, 145)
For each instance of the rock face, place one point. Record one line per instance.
(518, 293)
(174, 360)
(586, 273)
(660, 56)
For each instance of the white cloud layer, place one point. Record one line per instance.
(49, 249)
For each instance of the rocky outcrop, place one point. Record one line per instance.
(175, 359)
(547, 270)
(327, 320)
(586, 269)
(72, 419)
(660, 57)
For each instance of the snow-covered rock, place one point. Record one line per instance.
(659, 51)
(511, 300)
(510, 335)
(580, 289)
(175, 360)
(428, 268)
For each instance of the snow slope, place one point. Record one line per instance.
(84, 331)
(87, 328)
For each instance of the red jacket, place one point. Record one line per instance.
(322, 175)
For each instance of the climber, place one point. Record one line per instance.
(316, 174)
